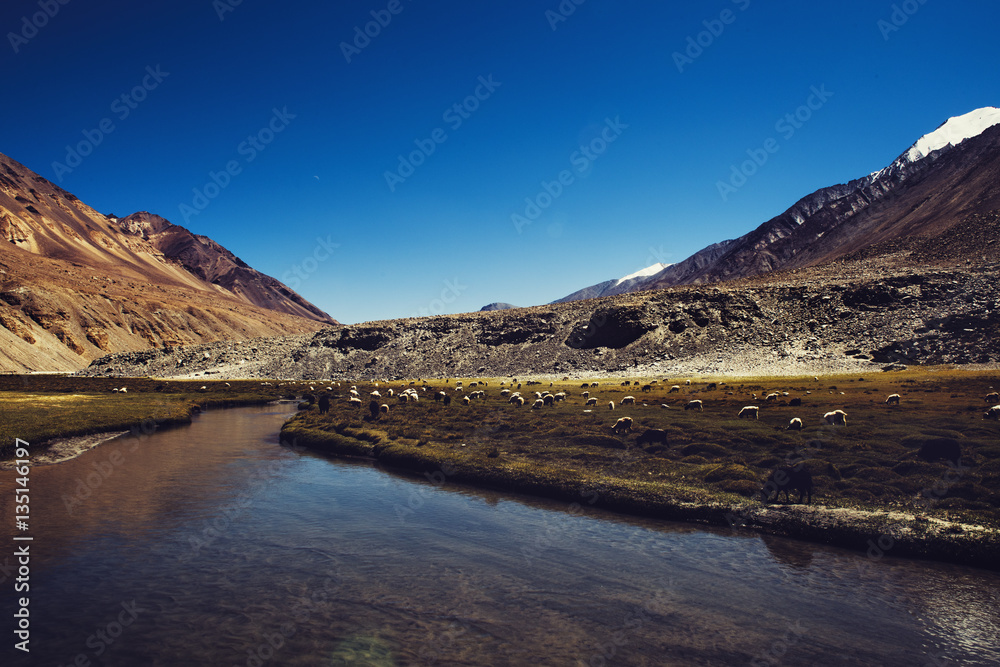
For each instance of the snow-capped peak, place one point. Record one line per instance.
(644, 273)
(954, 131)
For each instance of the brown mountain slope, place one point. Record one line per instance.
(75, 284)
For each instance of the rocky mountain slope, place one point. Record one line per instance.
(76, 284)
(860, 316)
(630, 283)
(947, 178)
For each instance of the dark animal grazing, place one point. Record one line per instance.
(652, 435)
(374, 409)
(711, 386)
(447, 399)
(940, 448)
(647, 388)
(788, 478)
(992, 398)
(795, 402)
(324, 404)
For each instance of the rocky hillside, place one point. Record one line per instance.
(861, 316)
(76, 284)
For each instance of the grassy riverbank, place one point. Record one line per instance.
(871, 484)
(43, 408)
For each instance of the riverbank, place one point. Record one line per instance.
(874, 492)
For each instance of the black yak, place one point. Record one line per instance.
(788, 478)
(324, 404)
(652, 435)
(940, 448)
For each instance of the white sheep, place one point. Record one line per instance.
(992, 397)
(772, 396)
(123, 390)
(749, 411)
(592, 401)
(466, 400)
(836, 417)
(623, 425)
(375, 394)
(993, 413)
(794, 425)
(384, 409)
(676, 388)
(628, 400)
(354, 402)
(695, 405)
(611, 404)
(586, 394)
(893, 399)
(537, 404)
(517, 401)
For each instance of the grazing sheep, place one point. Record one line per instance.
(993, 413)
(403, 398)
(628, 400)
(687, 382)
(749, 411)
(788, 478)
(594, 384)
(623, 425)
(549, 399)
(794, 425)
(355, 394)
(384, 409)
(123, 390)
(466, 400)
(675, 388)
(611, 405)
(561, 396)
(795, 402)
(772, 396)
(893, 399)
(591, 401)
(584, 385)
(991, 398)
(646, 388)
(517, 401)
(203, 388)
(353, 402)
(439, 395)
(537, 404)
(695, 405)
(505, 392)
(586, 394)
(375, 394)
(836, 417)
(652, 435)
(115, 390)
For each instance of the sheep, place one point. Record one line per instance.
(990, 398)
(203, 388)
(384, 409)
(687, 382)
(788, 478)
(749, 411)
(123, 390)
(628, 400)
(439, 395)
(403, 398)
(549, 399)
(591, 401)
(517, 401)
(652, 435)
(646, 388)
(992, 413)
(584, 385)
(611, 405)
(893, 399)
(836, 417)
(537, 404)
(674, 389)
(772, 396)
(505, 393)
(355, 394)
(561, 396)
(353, 402)
(594, 384)
(695, 405)
(794, 425)
(586, 394)
(466, 400)
(623, 425)
(375, 394)
(115, 390)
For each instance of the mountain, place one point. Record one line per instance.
(630, 283)
(497, 306)
(936, 200)
(76, 284)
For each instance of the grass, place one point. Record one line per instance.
(711, 458)
(41, 408)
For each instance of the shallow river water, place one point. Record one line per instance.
(213, 545)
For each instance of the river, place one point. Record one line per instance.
(213, 545)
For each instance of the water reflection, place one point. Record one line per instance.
(237, 551)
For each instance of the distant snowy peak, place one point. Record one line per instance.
(954, 131)
(644, 273)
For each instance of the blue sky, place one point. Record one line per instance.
(246, 123)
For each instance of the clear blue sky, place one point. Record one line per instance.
(442, 239)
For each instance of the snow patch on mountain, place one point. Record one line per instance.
(644, 273)
(954, 131)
